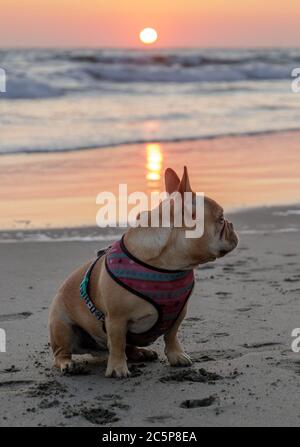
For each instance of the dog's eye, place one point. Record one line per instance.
(221, 220)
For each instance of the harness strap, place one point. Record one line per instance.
(168, 291)
(84, 287)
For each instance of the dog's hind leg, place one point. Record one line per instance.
(136, 354)
(61, 336)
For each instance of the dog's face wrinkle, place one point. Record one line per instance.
(219, 237)
(169, 248)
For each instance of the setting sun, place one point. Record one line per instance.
(148, 36)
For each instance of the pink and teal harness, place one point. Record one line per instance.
(167, 290)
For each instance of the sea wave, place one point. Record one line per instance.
(92, 78)
(66, 100)
(33, 74)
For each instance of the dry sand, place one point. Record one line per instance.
(238, 331)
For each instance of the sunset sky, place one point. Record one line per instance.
(180, 23)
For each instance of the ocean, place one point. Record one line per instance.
(62, 100)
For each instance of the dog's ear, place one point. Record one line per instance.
(172, 181)
(185, 185)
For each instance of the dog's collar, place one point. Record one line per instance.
(142, 263)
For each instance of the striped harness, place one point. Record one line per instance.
(167, 290)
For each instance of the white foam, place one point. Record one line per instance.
(269, 231)
(287, 213)
(41, 237)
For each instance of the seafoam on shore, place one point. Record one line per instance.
(252, 221)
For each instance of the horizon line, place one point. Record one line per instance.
(146, 48)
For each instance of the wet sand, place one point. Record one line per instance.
(238, 332)
(60, 189)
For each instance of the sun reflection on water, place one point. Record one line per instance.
(154, 164)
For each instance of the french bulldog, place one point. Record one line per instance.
(162, 254)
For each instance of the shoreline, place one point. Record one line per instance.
(153, 141)
(252, 220)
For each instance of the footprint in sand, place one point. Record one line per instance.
(261, 346)
(192, 375)
(223, 295)
(196, 403)
(220, 334)
(15, 385)
(45, 404)
(244, 309)
(11, 317)
(295, 279)
(158, 418)
(214, 355)
(291, 364)
(96, 416)
(49, 388)
(10, 370)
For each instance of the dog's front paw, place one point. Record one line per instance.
(66, 367)
(179, 358)
(120, 371)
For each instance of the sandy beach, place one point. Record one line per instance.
(238, 332)
(97, 101)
